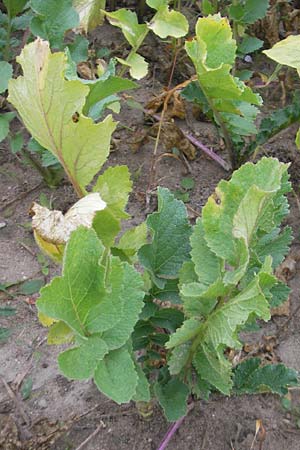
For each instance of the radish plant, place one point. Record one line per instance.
(166, 333)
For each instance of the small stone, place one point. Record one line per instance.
(2, 225)
(42, 403)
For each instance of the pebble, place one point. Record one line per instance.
(42, 403)
(2, 225)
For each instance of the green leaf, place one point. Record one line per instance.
(249, 44)
(172, 397)
(286, 52)
(6, 72)
(170, 245)
(105, 88)
(168, 23)
(170, 292)
(31, 286)
(280, 293)
(52, 19)
(251, 378)
(220, 327)
(128, 22)
(138, 67)
(179, 358)
(79, 49)
(131, 241)
(132, 294)
(206, 264)
(80, 362)
(60, 333)
(255, 10)
(185, 333)
(4, 334)
(213, 367)
(187, 183)
(213, 53)
(275, 244)
(116, 364)
(16, 142)
(90, 14)
(14, 7)
(249, 12)
(222, 229)
(26, 388)
(71, 296)
(156, 4)
(207, 8)
(6, 311)
(114, 186)
(81, 146)
(5, 119)
(142, 393)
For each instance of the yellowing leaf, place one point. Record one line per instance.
(52, 229)
(138, 67)
(169, 23)
(90, 14)
(45, 320)
(286, 52)
(51, 107)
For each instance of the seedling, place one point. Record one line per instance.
(187, 185)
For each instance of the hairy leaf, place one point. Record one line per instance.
(227, 213)
(251, 378)
(172, 397)
(116, 364)
(170, 244)
(213, 367)
(80, 362)
(207, 265)
(132, 294)
(70, 297)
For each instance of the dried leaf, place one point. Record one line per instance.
(55, 227)
(172, 136)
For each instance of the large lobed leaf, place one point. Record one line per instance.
(96, 303)
(47, 103)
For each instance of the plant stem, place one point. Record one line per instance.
(43, 171)
(172, 430)
(208, 151)
(219, 120)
